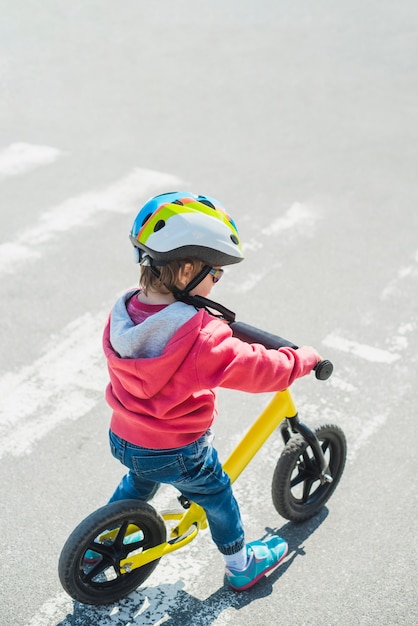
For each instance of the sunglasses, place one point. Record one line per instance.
(216, 274)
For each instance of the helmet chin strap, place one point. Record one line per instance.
(181, 294)
(204, 303)
(199, 301)
(197, 279)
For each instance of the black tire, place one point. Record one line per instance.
(297, 492)
(97, 580)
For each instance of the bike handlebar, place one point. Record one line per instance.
(251, 334)
(323, 369)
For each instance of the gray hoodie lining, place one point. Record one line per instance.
(149, 338)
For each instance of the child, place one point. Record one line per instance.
(165, 359)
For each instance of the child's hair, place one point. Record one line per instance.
(167, 280)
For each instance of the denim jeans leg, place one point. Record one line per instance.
(132, 486)
(195, 470)
(210, 487)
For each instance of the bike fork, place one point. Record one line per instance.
(298, 427)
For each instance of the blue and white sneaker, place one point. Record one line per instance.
(91, 558)
(262, 556)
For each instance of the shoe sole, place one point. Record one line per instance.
(266, 571)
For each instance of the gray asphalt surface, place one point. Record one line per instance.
(302, 119)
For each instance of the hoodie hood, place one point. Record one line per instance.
(148, 339)
(143, 357)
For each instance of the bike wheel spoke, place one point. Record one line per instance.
(307, 489)
(121, 534)
(97, 570)
(298, 479)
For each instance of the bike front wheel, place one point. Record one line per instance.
(89, 563)
(298, 492)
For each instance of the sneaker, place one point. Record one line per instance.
(91, 557)
(262, 557)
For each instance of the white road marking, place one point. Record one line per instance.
(297, 221)
(20, 158)
(369, 353)
(65, 383)
(52, 611)
(361, 427)
(149, 607)
(401, 341)
(120, 197)
(69, 379)
(340, 383)
(298, 215)
(364, 432)
(251, 280)
(394, 287)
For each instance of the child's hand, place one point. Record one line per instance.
(319, 358)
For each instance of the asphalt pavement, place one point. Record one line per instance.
(302, 119)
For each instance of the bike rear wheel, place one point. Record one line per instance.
(297, 491)
(89, 563)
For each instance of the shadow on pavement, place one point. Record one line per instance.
(170, 605)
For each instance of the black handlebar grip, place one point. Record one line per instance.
(323, 370)
(251, 334)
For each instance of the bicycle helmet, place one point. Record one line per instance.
(177, 225)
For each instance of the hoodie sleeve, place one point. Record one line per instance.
(225, 361)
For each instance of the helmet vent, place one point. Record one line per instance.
(234, 239)
(146, 218)
(159, 225)
(207, 202)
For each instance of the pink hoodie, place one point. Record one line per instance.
(169, 400)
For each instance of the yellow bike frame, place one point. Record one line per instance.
(280, 407)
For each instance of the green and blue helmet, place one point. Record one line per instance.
(179, 225)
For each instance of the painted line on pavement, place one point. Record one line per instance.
(298, 221)
(122, 196)
(20, 158)
(363, 422)
(396, 284)
(369, 353)
(65, 383)
(297, 216)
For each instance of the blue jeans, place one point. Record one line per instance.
(195, 470)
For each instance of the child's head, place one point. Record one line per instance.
(180, 238)
(168, 278)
